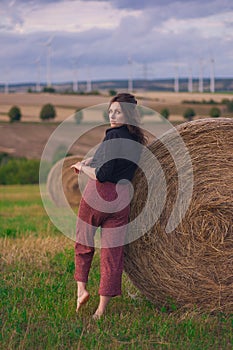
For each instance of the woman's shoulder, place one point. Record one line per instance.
(117, 132)
(120, 131)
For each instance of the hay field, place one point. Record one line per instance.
(178, 97)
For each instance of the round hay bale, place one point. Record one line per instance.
(61, 172)
(192, 266)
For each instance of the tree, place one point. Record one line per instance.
(49, 89)
(165, 113)
(47, 112)
(78, 116)
(189, 113)
(14, 114)
(215, 112)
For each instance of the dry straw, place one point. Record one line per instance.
(193, 265)
(31, 249)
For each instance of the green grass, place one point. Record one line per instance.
(38, 295)
(22, 213)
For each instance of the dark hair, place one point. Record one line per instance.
(128, 105)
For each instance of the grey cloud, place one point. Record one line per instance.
(179, 8)
(158, 50)
(139, 37)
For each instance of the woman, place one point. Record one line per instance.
(109, 172)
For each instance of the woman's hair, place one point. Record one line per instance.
(128, 105)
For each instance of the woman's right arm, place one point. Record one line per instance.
(79, 167)
(87, 161)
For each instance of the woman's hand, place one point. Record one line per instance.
(77, 167)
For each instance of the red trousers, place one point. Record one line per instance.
(104, 205)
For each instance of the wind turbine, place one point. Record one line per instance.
(37, 62)
(190, 82)
(130, 80)
(176, 80)
(6, 87)
(75, 76)
(200, 86)
(147, 71)
(89, 87)
(48, 44)
(212, 75)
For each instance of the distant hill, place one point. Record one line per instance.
(221, 85)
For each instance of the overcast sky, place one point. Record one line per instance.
(98, 38)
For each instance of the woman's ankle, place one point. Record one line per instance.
(104, 300)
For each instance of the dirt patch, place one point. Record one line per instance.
(28, 139)
(25, 140)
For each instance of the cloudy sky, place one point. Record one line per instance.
(104, 39)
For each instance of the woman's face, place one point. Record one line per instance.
(116, 115)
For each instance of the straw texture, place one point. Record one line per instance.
(192, 266)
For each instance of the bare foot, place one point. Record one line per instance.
(82, 299)
(104, 300)
(97, 315)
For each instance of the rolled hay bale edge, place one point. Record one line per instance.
(67, 178)
(193, 265)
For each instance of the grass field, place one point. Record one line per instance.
(38, 295)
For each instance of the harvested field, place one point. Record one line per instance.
(66, 105)
(28, 139)
(31, 104)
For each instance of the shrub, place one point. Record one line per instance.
(20, 171)
(78, 116)
(92, 92)
(189, 113)
(14, 114)
(112, 92)
(165, 113)
(230, 106)
(49, 89)
(47, 112)
(225, 101)
(215, 112)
